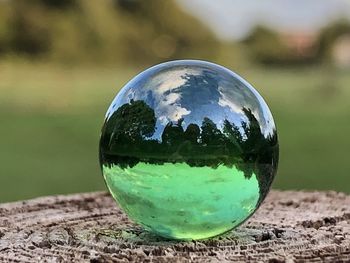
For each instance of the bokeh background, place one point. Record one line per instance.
(63, 61)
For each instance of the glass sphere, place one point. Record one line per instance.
(188, 149)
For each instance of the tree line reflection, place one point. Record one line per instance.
(126, 140)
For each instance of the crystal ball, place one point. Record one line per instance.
(188, 149)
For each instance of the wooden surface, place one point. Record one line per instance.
(288, 227)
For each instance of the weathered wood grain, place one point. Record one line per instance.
(288, 227)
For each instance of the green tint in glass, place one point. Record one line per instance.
(188, 149)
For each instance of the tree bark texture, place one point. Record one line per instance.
(289, 227)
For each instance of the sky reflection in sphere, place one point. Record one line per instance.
(183, 133)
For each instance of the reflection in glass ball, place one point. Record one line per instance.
(188, 149)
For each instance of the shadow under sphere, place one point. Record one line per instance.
(188, 149)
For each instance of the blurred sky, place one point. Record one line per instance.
(233, 19)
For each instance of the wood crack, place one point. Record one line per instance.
(288, 227)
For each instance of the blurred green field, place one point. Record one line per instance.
(51, 118)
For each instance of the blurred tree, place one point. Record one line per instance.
(329, 35)
(117, 31)
(268, 47)
(59, 4)
(265, 46)
(29, 29)
(4, 27)
(170, 32)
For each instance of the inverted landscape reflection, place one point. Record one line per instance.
(193, 121)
